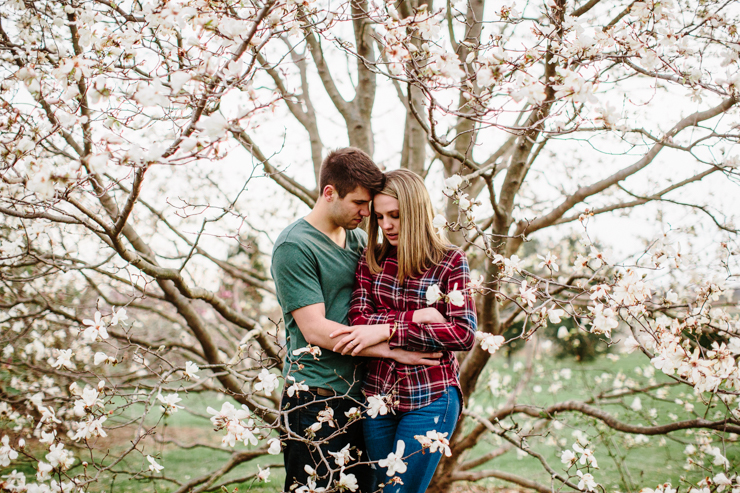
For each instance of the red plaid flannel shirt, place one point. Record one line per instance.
(379, 299)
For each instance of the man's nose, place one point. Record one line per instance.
(365, 210)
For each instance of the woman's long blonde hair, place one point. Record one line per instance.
(420, 247)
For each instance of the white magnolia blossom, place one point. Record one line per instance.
(263, 474)
(456, 297)
(48, 416)
(512, 265)
(586, 481)
(93, 427)
(723, 482)
(347, 482)
(326, 416)
(587, 456)
(43, 471)
(153, 465)
(529, 90)
(434, 441)
(433, 294)
(394, 462)
(464, 201)
(574, 87)
(15, 482)
(191, 370)
(314, 351)
(95, 328)
(310, 487)
(48, 437)
(58, 456)
(118, 316)
(568, 458)
(89, 399)
(452, 185)
(554, 315)
(439, 222)
(490, 342)
(296, 387)
(377, 404)
(274, 446)
(7, 453)
(213, 127)
(631, 344)
(268, 382)
(100, 358)
(169, 402)
(63, 360)
(236, 422)
(605, 319)
(476, 284)
(548, 261)
(342, 457)
(527, 294)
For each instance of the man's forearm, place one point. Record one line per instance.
(318, 334)
(382, 350)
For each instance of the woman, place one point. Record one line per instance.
(392, 290)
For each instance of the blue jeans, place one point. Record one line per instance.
(300, 413)
(382, 434)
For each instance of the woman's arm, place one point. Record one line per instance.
(361, 338)
(458, 333)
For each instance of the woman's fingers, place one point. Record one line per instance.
(357, 348)
(343, 344)
(438, 317)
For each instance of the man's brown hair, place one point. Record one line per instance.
(347, 168)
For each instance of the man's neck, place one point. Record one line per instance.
(319, 219)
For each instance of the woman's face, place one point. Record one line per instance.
(389, 220)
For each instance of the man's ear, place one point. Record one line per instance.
(329, 192)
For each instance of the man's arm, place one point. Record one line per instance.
(316, 329)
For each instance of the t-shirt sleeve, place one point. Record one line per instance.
(361, 238)
(296, 277)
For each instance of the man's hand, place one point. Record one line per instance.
(359, 337)
(428, 316)
(415, 358)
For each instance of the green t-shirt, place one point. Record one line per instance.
(309, 268)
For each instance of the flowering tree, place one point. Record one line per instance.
(132, 273)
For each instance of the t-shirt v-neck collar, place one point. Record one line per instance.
(346, 236)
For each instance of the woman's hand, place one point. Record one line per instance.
(360, 337)
(428, 316)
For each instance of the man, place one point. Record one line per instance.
(313, 265)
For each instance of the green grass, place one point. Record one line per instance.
(642, 464)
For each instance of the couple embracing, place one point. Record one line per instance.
(364, 331)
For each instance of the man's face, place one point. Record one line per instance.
(349, 211)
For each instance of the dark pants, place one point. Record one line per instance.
(301, 411)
